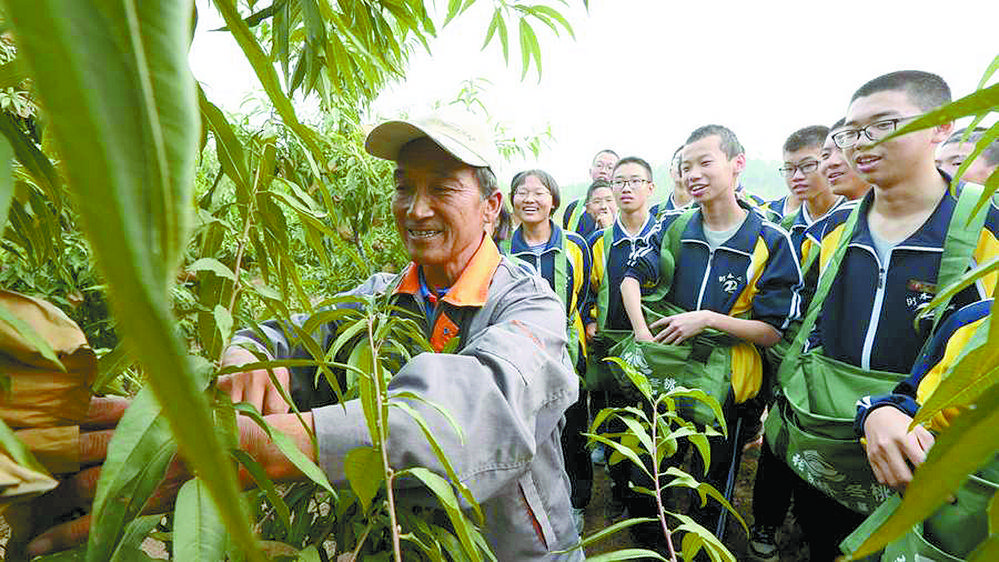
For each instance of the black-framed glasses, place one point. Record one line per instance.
(634, 183)
(806, 167)
(876, 131)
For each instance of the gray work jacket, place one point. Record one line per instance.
(507, 385)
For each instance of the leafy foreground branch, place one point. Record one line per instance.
(651, 435)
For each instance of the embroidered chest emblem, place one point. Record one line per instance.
(729, 283)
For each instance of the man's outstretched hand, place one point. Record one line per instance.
(62, 517)
(254, 387)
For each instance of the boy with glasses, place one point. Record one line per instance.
(575, 218)
(841, 177)
(607, 322)
(884, 264)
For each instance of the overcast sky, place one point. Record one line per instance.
(642, 74)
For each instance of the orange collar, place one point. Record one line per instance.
(472, 285)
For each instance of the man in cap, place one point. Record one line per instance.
(505, 379)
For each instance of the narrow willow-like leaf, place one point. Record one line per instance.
(622, 449)
(626, 554)
(137, 459)
(993, 67)
(959, 450)
(555, 15)
(12, 73)
(287, 447)
(363, 467)
(697, 538)
(609, 531)
(966, 280)
(130, 549)
(223, 321)
(198, 530)
(213, 265)
(6, 180)
(34, 160)
(638, 379)
(703, 489)
(227, 146)
(128, 132)
(462, 528)
(972, 104)
(259, 477)
(504, 38)
(264, 69)
(975, 370)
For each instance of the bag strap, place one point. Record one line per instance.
(668, 251)
(603, 293)
(825, 284)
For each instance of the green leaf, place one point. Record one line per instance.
(442, 489)
(609, 531)
(967, 279)
(223, 321)
(626, 554)
(309, 554)
(504, 38)
(6, 180)
(989, 72)
(703, 489)
(198, 530)
(287, 447)
(363, 467)
(627, 452)
(259, 476)
(128, 134)
(34, 161)
(493, 25)
(12, 73)
(137, 459)
(555, 15)
(975, 370)
(453, 7)
(974, 103)
(130, 549)
(227, 147)
(640, 381)
(214, 266)
(959, 450)
(697, 538)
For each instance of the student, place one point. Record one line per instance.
(678, 198)
(574, 218)
(888, 268)
(563, 259)
(842, 178)
(771, 496)
(600, 204)
(892, 448)
(735, 273)
(953, 152)
(607, 322)
(802, 156)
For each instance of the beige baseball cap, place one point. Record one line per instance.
(460, 134)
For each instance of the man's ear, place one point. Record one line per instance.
(491, 206)
(739, 163)
(942, 132)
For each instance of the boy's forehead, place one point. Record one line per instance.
(802, 153)
(630, 169)
(601, 193)
(708, 145)
(881, 105)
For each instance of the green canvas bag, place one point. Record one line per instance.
(703, 362)
(811, 427)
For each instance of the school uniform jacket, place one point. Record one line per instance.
(561, 244)
(867, 317)
(613, 261)
(754, 272)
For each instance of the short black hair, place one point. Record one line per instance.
(604, 151)
(809, 137)
(635, 160)
(546, 180)
(730, 144)
(926, 90)
(839, 123)
(973, 137)
(597, 184)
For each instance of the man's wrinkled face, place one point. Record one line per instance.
(439, 209)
